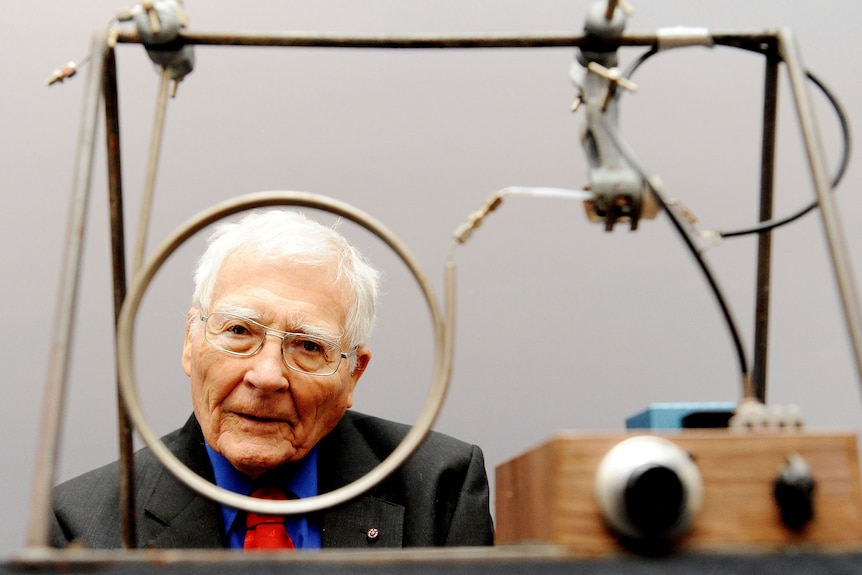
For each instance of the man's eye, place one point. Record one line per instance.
(238, 330)
(310, 346)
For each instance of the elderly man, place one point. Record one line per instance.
(274, 347)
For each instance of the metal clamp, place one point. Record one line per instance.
(159, 23)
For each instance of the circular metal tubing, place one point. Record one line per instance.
(128, 385)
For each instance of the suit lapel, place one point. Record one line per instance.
(180, 518)
(174, 515)
(372, 520)
(364, 522)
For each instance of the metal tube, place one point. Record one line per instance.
(125, 357)
(152, 170)
(118, 260)
(749, 40)
(764, 240)
(828, 211)
(38, 530)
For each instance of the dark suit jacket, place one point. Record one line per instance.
(438, 497)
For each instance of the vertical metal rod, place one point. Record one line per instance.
(38, 529)
(118, 262)
(152, 170)
(764, 240)
(822, 184)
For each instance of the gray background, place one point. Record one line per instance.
(560, 325)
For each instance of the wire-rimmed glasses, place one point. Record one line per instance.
(244, 337)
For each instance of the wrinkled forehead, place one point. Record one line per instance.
(247, 268)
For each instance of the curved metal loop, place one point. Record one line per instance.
(128, 386)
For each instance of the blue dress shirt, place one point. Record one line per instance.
(301, 480)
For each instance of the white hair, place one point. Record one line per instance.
(288, 234)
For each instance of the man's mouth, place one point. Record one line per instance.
(258, 418)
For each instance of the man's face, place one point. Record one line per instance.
(254, 410)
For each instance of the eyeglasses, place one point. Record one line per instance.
(244, 337)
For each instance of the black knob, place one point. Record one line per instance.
(794, 493)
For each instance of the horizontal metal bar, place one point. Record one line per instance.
(749, 40)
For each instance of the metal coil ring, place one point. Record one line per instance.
(128, 385)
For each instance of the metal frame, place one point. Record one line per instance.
(778, 46)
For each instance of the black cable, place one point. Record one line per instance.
(843, 162)
(636, 63)
(632, 159)
(836, 178)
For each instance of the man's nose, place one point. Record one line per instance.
(268, 370)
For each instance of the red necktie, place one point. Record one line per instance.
(266, 531)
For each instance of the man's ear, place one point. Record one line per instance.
(363, 358)
(187, 343)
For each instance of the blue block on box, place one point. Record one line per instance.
(683, 415)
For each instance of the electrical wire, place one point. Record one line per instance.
(840, 170)
(636, 63)
(630, 156)
(843, 162)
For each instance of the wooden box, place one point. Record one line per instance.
(547, 494)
